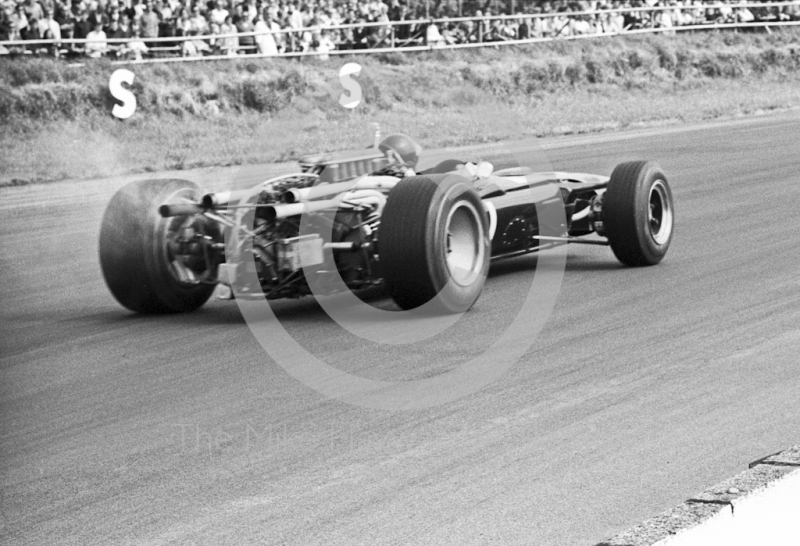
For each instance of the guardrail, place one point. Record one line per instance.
(413, 44)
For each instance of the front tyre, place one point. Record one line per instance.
(434, 243)
(638, 213)
(136, 256)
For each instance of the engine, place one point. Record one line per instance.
(344, 241)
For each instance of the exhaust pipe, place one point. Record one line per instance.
(297, 195)
(224, 198)
(180, 209)
(273, 212)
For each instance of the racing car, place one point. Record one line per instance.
(359, 218)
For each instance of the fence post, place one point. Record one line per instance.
(392, 36)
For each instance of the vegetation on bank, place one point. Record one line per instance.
(57, 120)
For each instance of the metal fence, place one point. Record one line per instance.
(415, 36)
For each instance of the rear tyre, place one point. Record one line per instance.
(134, 248)
(434, 243)
(638, 213)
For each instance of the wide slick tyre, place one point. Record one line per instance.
(134, 252)
(434, 243)
(638, 213)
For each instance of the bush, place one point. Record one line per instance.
(258, 96)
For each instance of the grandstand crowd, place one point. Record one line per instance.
(221, 27)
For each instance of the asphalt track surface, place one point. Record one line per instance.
(644, 387)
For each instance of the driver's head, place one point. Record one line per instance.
(403, 146)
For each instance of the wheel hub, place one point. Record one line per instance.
(659, 213)
(464, 245)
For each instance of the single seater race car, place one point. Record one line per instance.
(358, 218)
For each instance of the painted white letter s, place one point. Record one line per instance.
(346, 74)
(125, 96)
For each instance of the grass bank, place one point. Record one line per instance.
(57, 123)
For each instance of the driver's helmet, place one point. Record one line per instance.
(404, 146)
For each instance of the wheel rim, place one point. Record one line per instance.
(167, 231)
(659, 213)
(464, 246)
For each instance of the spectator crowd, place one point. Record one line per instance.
(137, 28)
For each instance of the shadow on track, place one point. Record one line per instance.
(307, 309)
